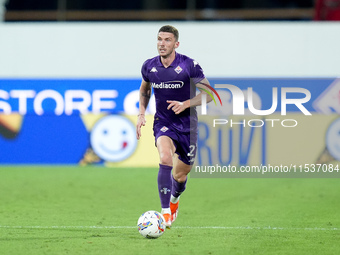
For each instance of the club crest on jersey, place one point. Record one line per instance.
(178, 69)
(164, 129)
(153, 70)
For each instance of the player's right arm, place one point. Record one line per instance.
(144, 97)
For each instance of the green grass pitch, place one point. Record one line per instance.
(94, 210)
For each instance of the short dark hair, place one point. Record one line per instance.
(170, 29)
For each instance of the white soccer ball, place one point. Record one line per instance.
(151, 224)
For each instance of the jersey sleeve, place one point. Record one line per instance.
(145, 72)
(196, 72)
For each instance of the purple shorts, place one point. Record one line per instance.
(185, 143)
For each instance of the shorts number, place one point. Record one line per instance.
(192, 148)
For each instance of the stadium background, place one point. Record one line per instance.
(58, 79)
(65, 85)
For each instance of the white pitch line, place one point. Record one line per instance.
(69, 227)
(175, 227)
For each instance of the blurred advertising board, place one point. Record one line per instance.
(62, 121)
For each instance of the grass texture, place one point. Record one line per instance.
(94, 210)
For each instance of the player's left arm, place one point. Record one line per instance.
(179, 107)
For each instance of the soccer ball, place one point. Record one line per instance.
(151, 224)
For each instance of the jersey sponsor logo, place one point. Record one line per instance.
(164, 129)
(153, 70)
(178, 69)
(168, 85)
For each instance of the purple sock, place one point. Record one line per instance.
(178, 187)
(164, 185)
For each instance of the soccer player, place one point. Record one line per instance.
(174, 78)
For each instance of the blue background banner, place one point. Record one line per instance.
(51, 137)
(50, 90)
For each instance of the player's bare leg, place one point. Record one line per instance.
(181, 170)
(166, 150)
(180, 173)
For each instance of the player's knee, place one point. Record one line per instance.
(180, 177)
(166, 159)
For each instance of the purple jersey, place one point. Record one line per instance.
(176, 82)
